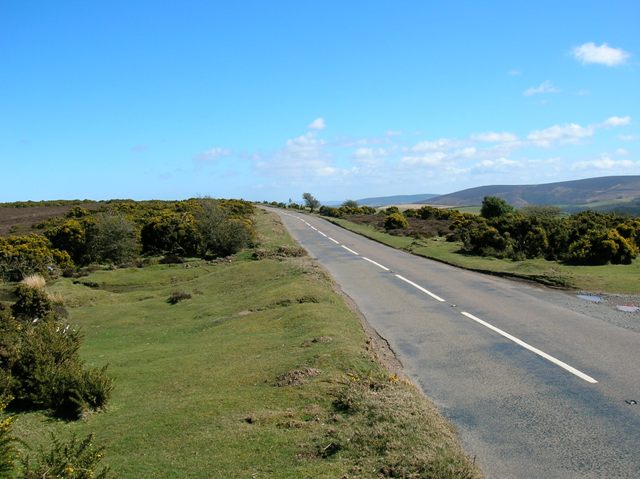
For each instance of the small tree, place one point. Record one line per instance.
(219, 234)
(310, 201)
(493, 207)
(349, 204)
(111, 238)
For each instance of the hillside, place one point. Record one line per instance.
(395, 200)
(604, 191)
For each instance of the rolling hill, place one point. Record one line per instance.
(603, 192)
(395, 200)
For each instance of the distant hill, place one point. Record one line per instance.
(606, 192)
(395, 200)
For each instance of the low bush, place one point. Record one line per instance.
(73, 459)
(21, 256)
(395, 221)
(41, 369)
(8, 451)
(32, 303)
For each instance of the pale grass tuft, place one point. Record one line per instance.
(56, 298)
(34, 281)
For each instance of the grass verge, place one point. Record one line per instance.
(259, 370)
(607, 278)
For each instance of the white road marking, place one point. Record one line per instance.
(377, 264)
(314, 228)
(350, 250)
(548, 357)
(417, 286)
(322, 233)
(331, 239)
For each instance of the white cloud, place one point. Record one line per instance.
(571, 133)
(303, 157)
(622, 152)
(605, 162)
(515, 72)
(317, 124)
(603, 54)
(498, 164)
(370, 156)
(431, 159)
(213, 154)
(494, 137)
(440, 144)
(390, 133)
(544, 87)
(617, 121)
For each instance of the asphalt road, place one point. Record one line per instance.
(535, 388)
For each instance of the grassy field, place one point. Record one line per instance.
(263, 373)
(606, 279)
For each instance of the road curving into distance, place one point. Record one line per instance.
(535, 388)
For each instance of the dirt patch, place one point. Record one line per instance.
(320, 339)
(22, 220)
(417, 226)
(296, 377)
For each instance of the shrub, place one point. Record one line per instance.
(42, 369)
(602, 248)
(395, 221)
(21, 256)
(169, 232)
(69, 236)
(8, 451)
(73, 459)
(486, 240)
(32, 303)
(535, 242)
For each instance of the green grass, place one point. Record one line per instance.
(606, 278)
(196, 392)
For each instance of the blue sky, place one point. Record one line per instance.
(267, 100)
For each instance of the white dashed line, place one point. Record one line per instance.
(548, 357)
(322, 233)
(314, 228)
(417, 286)
(377, 264)
(350, 250)
(331, 239)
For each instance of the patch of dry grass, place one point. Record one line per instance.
(384, 425)
(34, 281)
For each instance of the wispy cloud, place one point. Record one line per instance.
(213, 154)
(514, 72)
(628, 137)
(603, 54)
(605, 162)
(317, 124)
(544, 87)
(494, 137)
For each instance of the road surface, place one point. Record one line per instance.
(535, 388)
